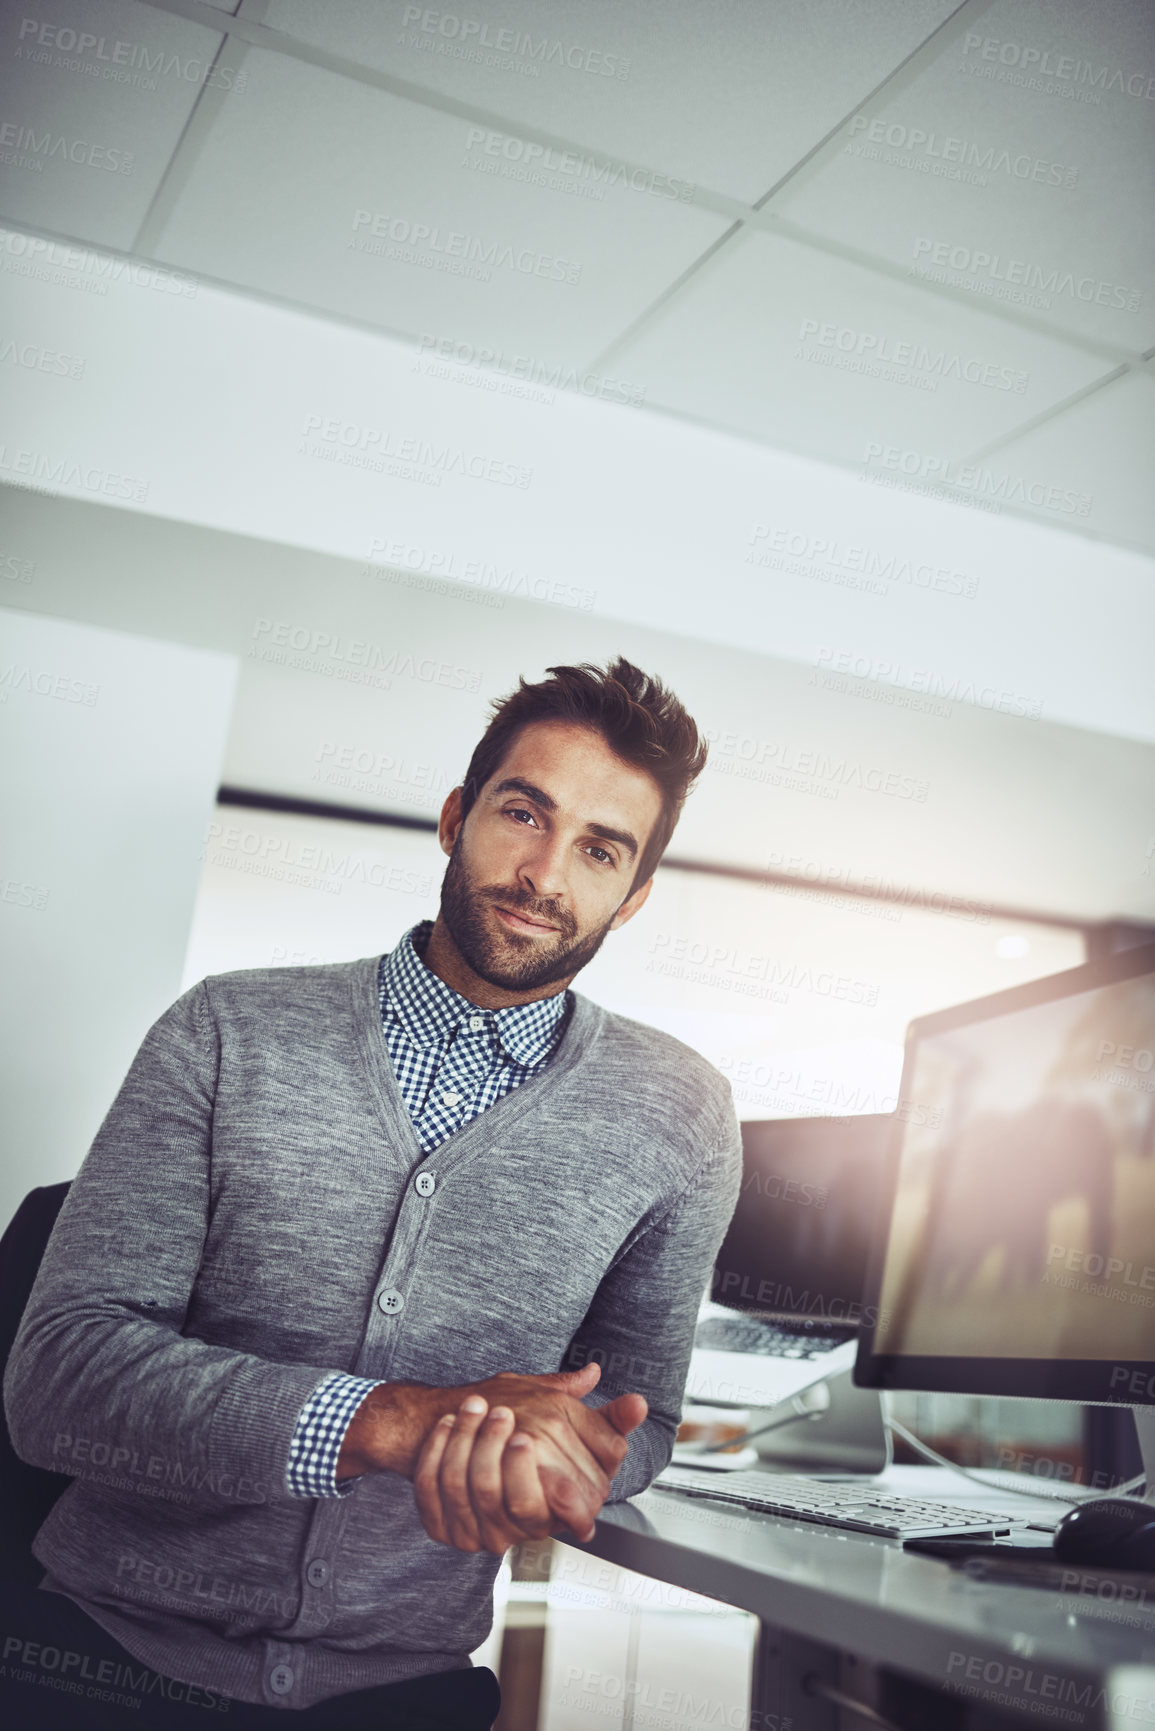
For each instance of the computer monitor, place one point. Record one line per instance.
(1015, 1254)
(801, 1235)
(785, 1296)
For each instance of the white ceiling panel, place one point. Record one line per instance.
(1004, 191)
(94, 95)
(1104, 446)
(721, 93)
(954, 251)
(376, 208)
(818, 355)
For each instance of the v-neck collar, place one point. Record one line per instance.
(586, 1022)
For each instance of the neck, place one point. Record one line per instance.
(443, 958)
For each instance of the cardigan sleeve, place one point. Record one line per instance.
(102, 1382)
(640, 1326)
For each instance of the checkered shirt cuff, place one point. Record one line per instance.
(319, 1434)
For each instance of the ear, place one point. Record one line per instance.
(632, 903)
(450, 822)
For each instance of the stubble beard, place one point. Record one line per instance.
(509, 961)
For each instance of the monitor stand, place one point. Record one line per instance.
(849, 1437)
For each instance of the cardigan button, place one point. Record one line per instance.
(391, 1301)
(425, 1184)
(281, 1679)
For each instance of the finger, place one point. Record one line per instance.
(564, 1452)
(575, 1382)
(483, 1480)
(571, 1501)
(425, 1487)
(527, 1506)
(575, 1486)
(596, 1433)
(592, 1446)
(453, 1476)
(626, 1413)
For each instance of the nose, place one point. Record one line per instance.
(543, 869)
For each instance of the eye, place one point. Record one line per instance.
(520, 811)
(608, 858)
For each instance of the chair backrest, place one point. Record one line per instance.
(27, 1493)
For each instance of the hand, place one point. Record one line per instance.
(391, 1424)
(577, 1450)
(479, 1485)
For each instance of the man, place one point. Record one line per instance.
(321, 1325)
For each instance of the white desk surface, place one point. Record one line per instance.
(869, 1597)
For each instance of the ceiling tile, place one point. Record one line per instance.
(823, 357)
(93, 98)
(1023, 192)
(722, 93)
(1009, 164)
(374, 208)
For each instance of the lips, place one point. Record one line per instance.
(520, 922)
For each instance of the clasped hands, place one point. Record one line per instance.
(500, 1461)
(522, 1458)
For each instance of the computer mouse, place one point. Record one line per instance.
(1110, 1532)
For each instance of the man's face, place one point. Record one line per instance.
(541, 869)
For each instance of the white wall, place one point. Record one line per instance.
(801, 1000)
(1009, 808)
(110, 754)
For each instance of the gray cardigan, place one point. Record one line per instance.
(244, 1223)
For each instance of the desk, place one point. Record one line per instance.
(851, 1610)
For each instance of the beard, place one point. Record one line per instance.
(510, 960)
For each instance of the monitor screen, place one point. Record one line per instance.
(800, 1236)
(1017, 1255)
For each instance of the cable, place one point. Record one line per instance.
(811, 1402)
(933, 1455)
(748, 1436)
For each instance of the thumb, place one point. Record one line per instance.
(578, 1382)
(625, 1413)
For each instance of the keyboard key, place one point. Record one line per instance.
(837, 1505)
(767, 1339)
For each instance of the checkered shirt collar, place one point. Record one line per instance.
(429, 1010)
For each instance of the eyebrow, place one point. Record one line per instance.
(538, 796)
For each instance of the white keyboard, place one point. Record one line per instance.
(859, 1508)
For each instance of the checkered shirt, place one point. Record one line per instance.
(452, 1060)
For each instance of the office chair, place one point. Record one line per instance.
(27, 1493)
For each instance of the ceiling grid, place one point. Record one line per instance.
(717, 279)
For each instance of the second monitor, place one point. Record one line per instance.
(785, 1301)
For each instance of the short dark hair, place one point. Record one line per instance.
(639, 718)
